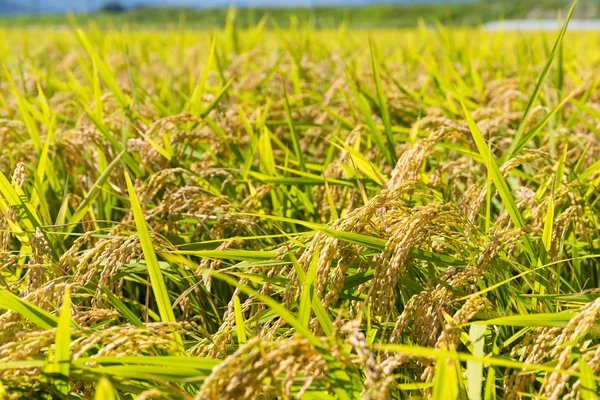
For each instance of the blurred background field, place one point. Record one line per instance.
(357, 14)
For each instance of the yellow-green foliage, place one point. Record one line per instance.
(299, 213)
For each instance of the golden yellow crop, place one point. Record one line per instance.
(299, 213)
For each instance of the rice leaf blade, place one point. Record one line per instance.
(157, 281)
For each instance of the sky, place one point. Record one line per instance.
(87, 5)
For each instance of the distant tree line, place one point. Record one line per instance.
(113, 7)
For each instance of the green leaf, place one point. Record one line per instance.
(104, 390)
(123, 309)
(21, 364)
(366, 241)
(239, 320)
(549, 219)
(379, 139)
(16, 198)
(217, 98)
(497, 178)
(151, 372)
(105, 72)
(156, 278)
(62, 346)
(43, 166)
(22, 102)
(589, 387)
(129, 161)
(308, 290)
(383, 106)
(591, 170)
(421, 351)
(35, 314)
(265, 153)
(475, 369)
(538, 87)
(196, 98)
(538, 128)
(161, 150)
(197, 363)
(445, 383)
(332, 206)
(278, 308)
(362, 163)
(559, 320)
(548, 223)
(96, 190)
(236, 255)
(295, 139)
(323, 317)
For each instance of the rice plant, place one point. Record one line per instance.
(264, 213)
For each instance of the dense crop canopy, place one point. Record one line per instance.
(277, 214)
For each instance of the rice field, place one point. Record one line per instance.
(298, 213)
